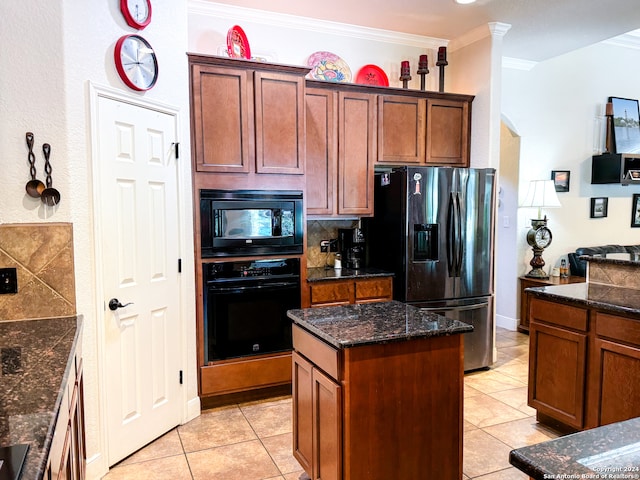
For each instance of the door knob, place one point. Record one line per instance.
(115, 304)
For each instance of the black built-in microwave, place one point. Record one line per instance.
(250, 222)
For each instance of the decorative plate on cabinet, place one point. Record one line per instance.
(237, 43)
(328, 66)
(372, 75)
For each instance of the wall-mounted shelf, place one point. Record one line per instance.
(615, 168)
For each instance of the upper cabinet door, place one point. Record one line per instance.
(279, 123)
(401, 129)
(322, 150)
(448, 132)
(221, 129)
(357, 121)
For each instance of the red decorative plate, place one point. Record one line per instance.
(372, 75)
(237, 43)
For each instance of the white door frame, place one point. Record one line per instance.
(191, 407)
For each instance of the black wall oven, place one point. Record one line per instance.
(245, 306)
(250, 222)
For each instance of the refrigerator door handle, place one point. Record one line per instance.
(451, 235)
(458, 236)
(475, 306)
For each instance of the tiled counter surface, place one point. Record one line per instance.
(361, 324)
(324, 274)
(37, 357)
(617, 300)
(611, 451)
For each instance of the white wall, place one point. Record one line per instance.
(553, 108)
(50, 52)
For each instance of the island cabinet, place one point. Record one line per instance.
(584, 364)
(424, 130)
(376, 409)
(247, 117)
(354, 290)
(340, 151)
(558, 360)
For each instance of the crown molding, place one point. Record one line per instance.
(218, 10)
(627, 40)
(518, 63)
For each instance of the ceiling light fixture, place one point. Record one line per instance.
(464, 2)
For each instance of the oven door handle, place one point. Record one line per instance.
(253, 287)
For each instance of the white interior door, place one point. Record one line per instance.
(138, 210)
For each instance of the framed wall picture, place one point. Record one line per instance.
(561, 180)
(626, 125)
(599, 207)
(635, 210)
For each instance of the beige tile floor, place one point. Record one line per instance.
(252, 441)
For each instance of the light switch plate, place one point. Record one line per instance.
(8, 280)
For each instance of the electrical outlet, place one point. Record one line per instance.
(8, 280)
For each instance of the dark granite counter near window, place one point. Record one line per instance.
(382, 322)
(322, 274)
(37, 357)
(611, 451)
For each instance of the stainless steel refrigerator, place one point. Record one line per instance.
(434, 229)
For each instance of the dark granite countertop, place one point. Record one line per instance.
(610, 451)
(322, 274)
(369, 323)
(605, 297)
(37, 357)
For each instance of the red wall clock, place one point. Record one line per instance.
(136, 62)
(137, 13)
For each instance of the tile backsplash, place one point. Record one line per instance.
(318, 230)
(42, 253)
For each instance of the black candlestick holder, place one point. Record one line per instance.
(423, 71)
(441, 63)
(405, 77)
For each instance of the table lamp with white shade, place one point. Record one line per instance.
(541, 194)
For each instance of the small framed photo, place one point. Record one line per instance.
(561, 180)
(635, 210)
(599, 207)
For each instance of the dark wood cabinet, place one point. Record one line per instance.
(378, 411)
(448, 132)
(424, 131)
(67, 455)
(246, 116)
(344, 292)
(554, 391)
(401, 129)
(340, 137)
(615, 369)
(583, 365)
(527, 282)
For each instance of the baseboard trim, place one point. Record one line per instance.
(507, 322)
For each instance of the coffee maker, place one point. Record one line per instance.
(351, 245)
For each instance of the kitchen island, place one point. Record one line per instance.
(591, 330)
(40, 395)
(377, 392)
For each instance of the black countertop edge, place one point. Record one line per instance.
(609, 449)
(38, 428)
(355, 325)
(321, 274)
(603, 297)
(612, 261)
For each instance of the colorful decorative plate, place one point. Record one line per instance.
(328, 66)
(372, 75)
(237, 43)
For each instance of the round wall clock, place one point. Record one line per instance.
(136, 62)
(137, 13)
